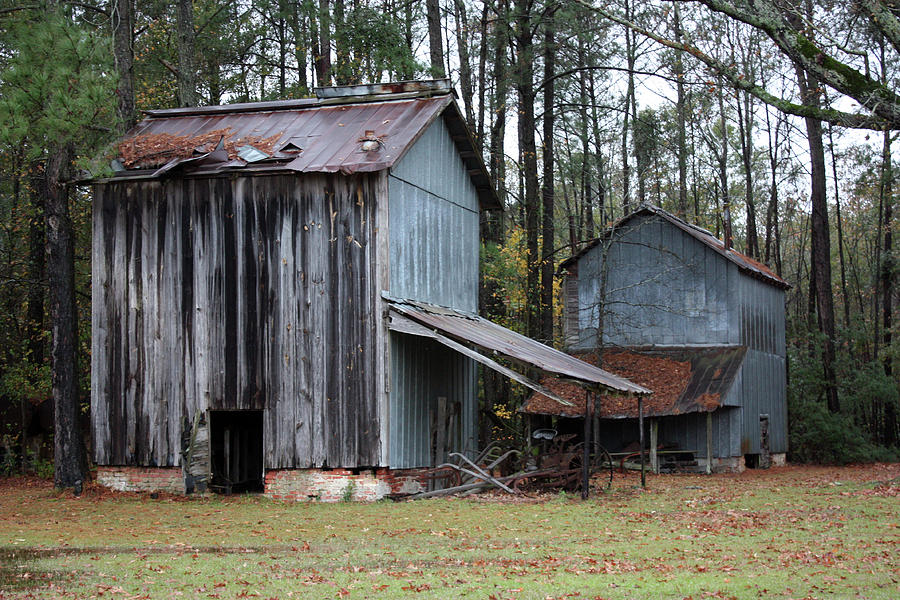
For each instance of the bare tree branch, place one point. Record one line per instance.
(880, 100)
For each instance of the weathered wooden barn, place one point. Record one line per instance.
(285, 293)
(669, 306)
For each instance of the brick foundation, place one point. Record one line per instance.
(335, 485)
(142, 479)
(298, 485)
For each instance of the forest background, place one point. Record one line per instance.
(772, 123)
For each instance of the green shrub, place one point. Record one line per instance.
(820, 436)
(856, 434)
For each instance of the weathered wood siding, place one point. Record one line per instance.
(236, 293)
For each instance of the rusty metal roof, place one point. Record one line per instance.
(683, 380)
(496, 339)
(745, 263)
(346, 130)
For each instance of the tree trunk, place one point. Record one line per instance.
(341, 70)
(681, 116)
(745, 126)
(524, 81)
(773, 236)
(323, 54)
(598, 155)
(886, 269)
(298, 25)
(722, 157)
(187, 71)
(845, 296)
(482, 77)
(435, 40)
(68, 441)
(465, 67)
(547, 191)
(587, 187)
(820, 258)
(498, 124)
(122, 22)
(630, 53)
(37, 248)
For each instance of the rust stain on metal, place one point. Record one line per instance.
(348, 130)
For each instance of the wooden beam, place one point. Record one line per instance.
(586, 459)
(641, 437)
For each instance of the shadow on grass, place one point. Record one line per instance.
(20, 573)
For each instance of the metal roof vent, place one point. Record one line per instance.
(370, 142)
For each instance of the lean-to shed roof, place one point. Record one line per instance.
(744, 263)
(353, 129)
(455, 328)
(683, 380)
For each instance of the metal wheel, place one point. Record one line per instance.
(601, 464)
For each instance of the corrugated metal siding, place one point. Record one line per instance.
(421, 371)
(434, 225)
(686, 432)
(764, 383)
(433, 216)
(762, 316)
(664, 288)
(237, 293)
(764, 393)
(689, 432)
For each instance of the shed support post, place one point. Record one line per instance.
(709, 443)
(654, 436)
(641, 427)
(586, 459)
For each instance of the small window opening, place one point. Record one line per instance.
(236, 451)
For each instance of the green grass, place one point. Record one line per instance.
(786, 533)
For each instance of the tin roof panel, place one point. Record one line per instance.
(330, 131)
(492, 337)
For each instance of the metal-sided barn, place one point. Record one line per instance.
(673, 309)
(285, 296)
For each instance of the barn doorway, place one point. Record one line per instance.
(236, 451)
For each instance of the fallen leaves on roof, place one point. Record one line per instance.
(156, 149)
(666, 377)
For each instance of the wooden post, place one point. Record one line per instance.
(440, 431)
(654, 436)
(586, 459)
(641, 426)
(709, 443)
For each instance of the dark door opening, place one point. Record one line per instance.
(236, 451)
